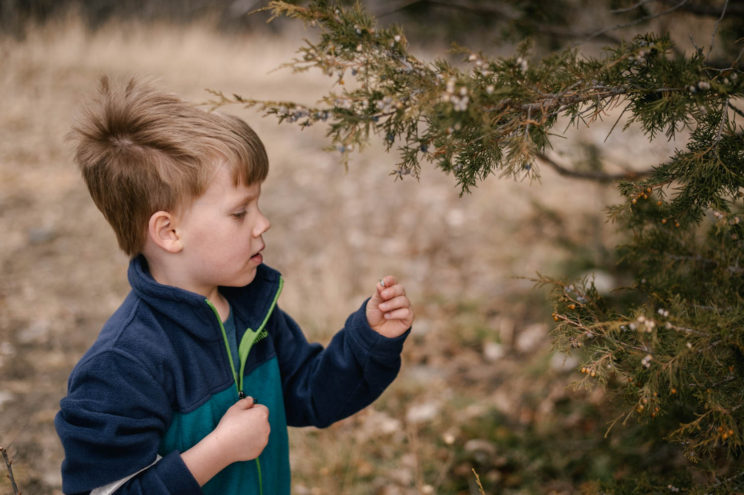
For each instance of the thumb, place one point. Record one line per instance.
(245, 403)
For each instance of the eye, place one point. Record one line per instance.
(239, 214)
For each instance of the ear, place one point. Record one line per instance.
(161, 229)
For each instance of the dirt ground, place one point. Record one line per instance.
(334, 234)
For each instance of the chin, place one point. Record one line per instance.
(248, 278)
(240, 280)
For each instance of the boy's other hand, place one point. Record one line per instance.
(241, 435)
(244, 430)
(389, 311)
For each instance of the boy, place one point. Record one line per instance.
(192, 382)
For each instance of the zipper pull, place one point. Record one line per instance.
(241, 395)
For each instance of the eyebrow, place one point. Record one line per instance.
(247, 198)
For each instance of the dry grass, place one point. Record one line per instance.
(334, 234)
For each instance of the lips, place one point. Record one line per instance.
(258, 257)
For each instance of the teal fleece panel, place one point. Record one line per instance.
(186, 430)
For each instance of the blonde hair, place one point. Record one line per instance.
(141, 151)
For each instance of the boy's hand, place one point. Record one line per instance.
(241, 435)
(389, 311)
(244, 430)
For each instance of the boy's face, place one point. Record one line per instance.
(221, 234)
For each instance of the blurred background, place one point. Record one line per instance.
(480, 390)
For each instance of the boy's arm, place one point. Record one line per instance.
(111, 424)
(322, 386)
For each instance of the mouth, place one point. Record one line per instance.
(258, 257)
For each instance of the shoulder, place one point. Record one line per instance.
(131, 335)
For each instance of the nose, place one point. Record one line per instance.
(262, 225)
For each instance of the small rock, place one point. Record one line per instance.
(36, 331)
(5, 397)
(378, 423)
(421, 413)
(41, 235)
(481, 450)
(563, 362)
(603, 281)
(493, 351)
(530, 338)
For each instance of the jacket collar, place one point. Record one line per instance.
(250, 304)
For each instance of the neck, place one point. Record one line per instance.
(166, 275)
(221, 304)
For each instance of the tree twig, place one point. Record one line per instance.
(704, 9)
(9, 465)
(727, 480)
(735, 109)
(715, 29)
(392, 9)
(502, 12)
(475, 8)
(628, 9)
(601, 177)
(738, 57)
(478, 481)
(639, 21)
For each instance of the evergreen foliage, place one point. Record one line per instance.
(672, 342)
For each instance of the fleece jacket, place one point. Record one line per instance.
(160, 376)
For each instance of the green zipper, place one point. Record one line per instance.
(227, 343)
(246, 344)
(250, 338)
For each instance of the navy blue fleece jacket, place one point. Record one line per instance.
(159, 378)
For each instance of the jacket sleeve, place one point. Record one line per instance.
(111, 424)
(322, 386)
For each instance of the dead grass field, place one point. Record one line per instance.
(481, 331)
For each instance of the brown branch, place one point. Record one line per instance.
(707, 10)
(600, 177)
(727, 480)
(9, 465)
(640, 20)
(395, 8)
(736, 110)
(497, 9)
(628, 9)
(500, 11)
(715, 29)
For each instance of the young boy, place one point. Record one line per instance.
(192, 382)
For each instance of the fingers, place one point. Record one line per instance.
(389, 311)
(399, 314)
(392, 297)
(262, 410)
(388, 288)
(396, 302)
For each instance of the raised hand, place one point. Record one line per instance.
(389, 311)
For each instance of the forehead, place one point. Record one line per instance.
(227, 184)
